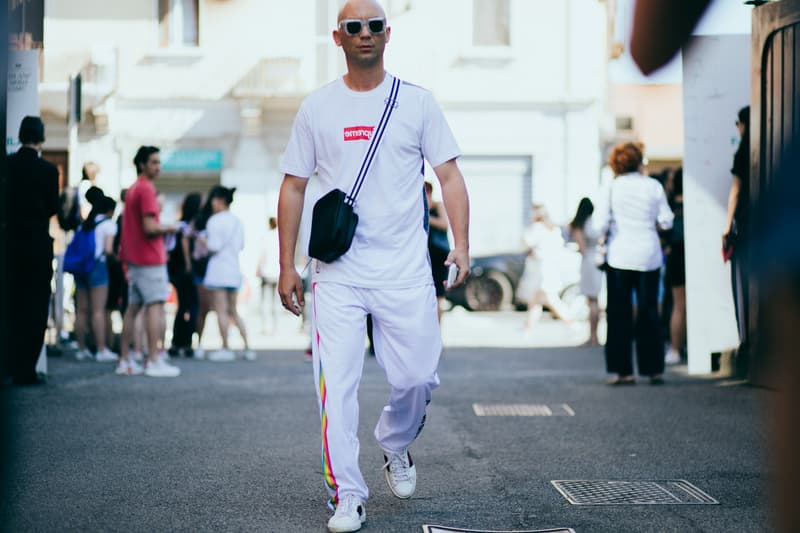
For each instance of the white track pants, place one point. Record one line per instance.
(407, 345)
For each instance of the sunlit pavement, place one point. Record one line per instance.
(235, 446)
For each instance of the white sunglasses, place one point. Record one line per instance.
(353, 27)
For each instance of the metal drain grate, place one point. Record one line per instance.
(608, 492)
(522, 409)
(446, 529)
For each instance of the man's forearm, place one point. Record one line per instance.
(290, 210)
(456, 203)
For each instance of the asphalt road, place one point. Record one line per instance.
(235, 447)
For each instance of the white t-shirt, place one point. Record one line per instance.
(331, 133)
(225, 235)
(638, 205)
(269, 263)
(103, 229)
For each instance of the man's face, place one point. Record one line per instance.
(365, 49)
(152, 168)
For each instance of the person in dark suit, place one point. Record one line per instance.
(32, 200)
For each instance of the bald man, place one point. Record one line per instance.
(386, 272)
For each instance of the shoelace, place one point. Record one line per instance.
(398, 466)
(349, 504)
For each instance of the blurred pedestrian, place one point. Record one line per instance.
(583, 232)
(225, 241)
(735, 236)
(144, 254)
(91, 288)
(541, 279)
(117, 284)
(32, 198)
(268, 271)
(199, 260)
(675, 274)
(386, 272)
(179, 268)
(636, 207)
(438, 245)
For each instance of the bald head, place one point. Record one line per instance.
(360, 9)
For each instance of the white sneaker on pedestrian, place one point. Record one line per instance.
(106, 356)
(349, 516)
(199, 353)
(401, 474)
(84, 355)
(222, 356)
(161, 369)
(137, 356)
(672, 357)
(249, 355)
(128, 368)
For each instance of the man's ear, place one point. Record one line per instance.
(336, 38)
(388, 33)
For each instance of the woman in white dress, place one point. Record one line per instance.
(583, 232)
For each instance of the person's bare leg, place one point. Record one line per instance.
(534, 310)
(128, 330)
(439, 302)
(140, 335)
(594, 318)
(154, 323)
(677, 322)
(81, 317)
(557, 308)
(204, 303)
(98, 296)
(233, 313)
(220, 304)
(109, 332)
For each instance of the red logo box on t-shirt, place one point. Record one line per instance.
(358, 133)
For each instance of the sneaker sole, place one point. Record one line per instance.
(349, 529)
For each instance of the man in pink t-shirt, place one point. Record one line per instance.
(143, 252)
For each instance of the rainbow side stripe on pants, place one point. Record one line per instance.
(327, 469)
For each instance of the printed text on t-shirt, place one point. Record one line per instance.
(358, 133)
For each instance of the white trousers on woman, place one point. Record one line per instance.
(407, 343)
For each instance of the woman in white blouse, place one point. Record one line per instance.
(225, 240)
(636, 208)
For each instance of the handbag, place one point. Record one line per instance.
(333, 219)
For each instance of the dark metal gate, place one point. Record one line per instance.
(775, 124)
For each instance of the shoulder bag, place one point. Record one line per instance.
(333, 220)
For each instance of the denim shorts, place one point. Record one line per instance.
(96, 278)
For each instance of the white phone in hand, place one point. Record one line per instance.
(452, 274)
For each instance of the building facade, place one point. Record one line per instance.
(216, 84)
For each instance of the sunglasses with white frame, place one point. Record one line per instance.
(353, 27)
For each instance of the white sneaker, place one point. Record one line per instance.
(672, 357)
(136, 356)
(106, 356)
(161, 369)
(249, 355)
(199, 353)
(349, 516)
(128, 368)
(84, 355)
(401, 474)
(222, 356)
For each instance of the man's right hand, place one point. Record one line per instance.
(290, 289)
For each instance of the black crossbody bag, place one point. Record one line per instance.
(333, 220)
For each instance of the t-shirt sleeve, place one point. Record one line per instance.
(149, 202)
(438, 143)
(300, 158)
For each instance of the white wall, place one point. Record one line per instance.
(716, 85)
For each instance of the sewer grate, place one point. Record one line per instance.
(612, 492)
(446, 529)
(522, 409)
